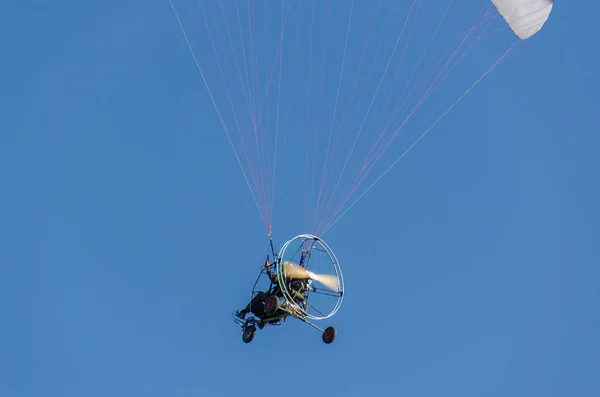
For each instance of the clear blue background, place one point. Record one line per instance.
(128, 235)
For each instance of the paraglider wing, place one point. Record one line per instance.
(525, 17)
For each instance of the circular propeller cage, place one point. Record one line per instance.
(314, 264)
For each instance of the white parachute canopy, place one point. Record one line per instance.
(525, 17)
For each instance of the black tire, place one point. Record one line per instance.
(272, 304)
(249, 333)
(329, 334)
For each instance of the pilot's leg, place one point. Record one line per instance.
(259, 297)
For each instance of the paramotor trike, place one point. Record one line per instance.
(306, 283)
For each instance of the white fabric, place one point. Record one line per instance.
(525, 17)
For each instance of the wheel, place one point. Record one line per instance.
(329, 334)
(249, 333)
(272, 304)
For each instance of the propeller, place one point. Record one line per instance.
(296, 271)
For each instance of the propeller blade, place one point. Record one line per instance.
(295, 271)
(327, 280)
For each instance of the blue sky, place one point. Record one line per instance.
(129, 235)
